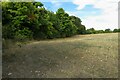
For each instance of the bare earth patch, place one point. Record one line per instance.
(81, 56)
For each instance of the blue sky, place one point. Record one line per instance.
(100, 14)
(88, 10)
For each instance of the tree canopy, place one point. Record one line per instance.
(23, 20)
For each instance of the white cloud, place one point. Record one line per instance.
(108, 18)
(102, 21)
(82, 3)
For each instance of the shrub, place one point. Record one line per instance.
(24, 34)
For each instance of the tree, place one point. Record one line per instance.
(99, 31)
(108, 31)
(67, 28)
(20, 15)
(91, 31)
(32, 20)
(55, 23)
(119, 30)
(115, 30)
(77, 22)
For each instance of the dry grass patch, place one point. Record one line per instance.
(81, 56)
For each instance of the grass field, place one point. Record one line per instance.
(81, 56)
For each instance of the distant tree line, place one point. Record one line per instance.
(30, 20)
(93, 31)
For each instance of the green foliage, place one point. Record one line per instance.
(119, 30)
(8, 32)
(116, 30)
(108, 31)
(77, 22)
(22, 35)
(67, 27)
(91, 31)
(18, 17)
(38, 4)
(99, 31)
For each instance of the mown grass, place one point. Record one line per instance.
(81, 56)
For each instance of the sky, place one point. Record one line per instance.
(98, 14)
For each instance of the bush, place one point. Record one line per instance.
(23, 35)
